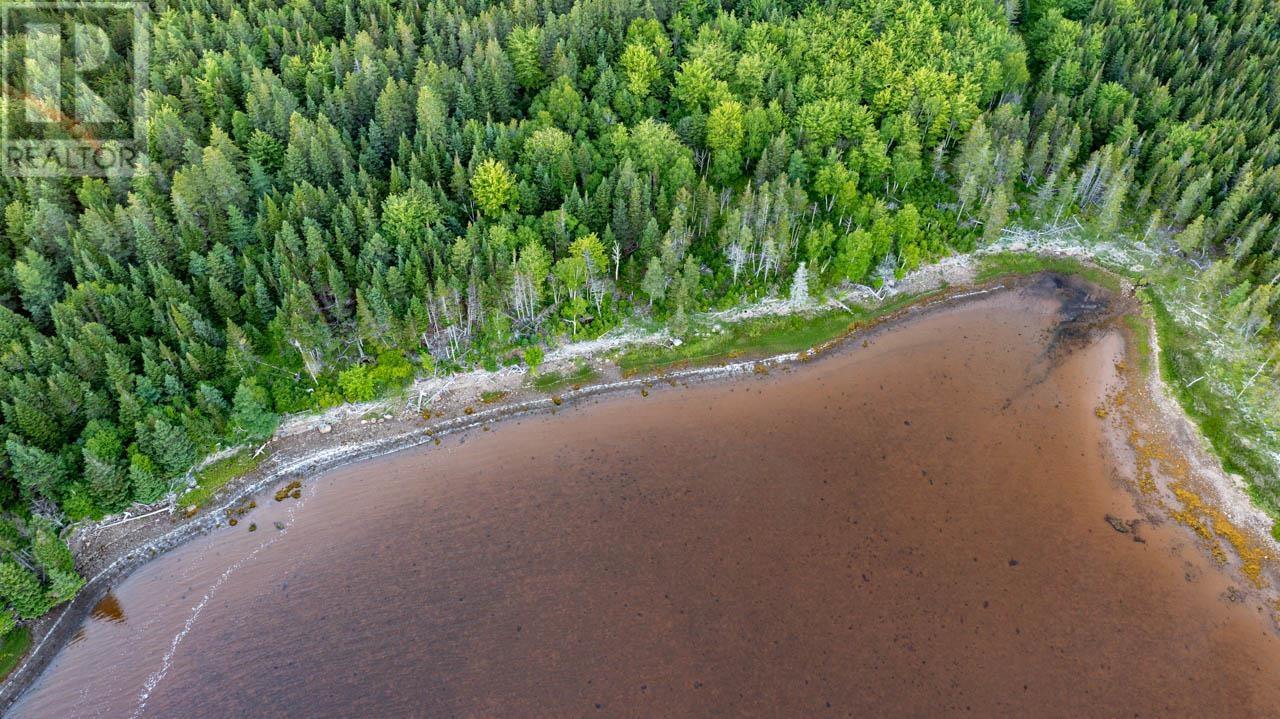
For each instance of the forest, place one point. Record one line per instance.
(341, 197)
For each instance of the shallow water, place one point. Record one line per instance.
(911, 527)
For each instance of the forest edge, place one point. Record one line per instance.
(109, 550)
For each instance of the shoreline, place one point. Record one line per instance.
(1174, 475)
(107, 557)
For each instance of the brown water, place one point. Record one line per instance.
(914, 527)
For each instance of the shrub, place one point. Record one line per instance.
(357, 384)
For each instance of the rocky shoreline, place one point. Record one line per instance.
(306, 446)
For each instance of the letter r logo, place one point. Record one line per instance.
(73, 87)
(43, 65)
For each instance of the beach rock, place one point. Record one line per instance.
(279, 525)
(290, 489)
(1118, 524)
(325, 429)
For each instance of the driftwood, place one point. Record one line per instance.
(127, 518)
(1023, 234)
(842, 305)
(1254, 377)
(436, 395)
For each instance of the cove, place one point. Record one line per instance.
(915, 523)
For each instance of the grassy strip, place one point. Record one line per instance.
(490, 396)
(1182, 361)
(552, 381)
(1004, 264)
(758, 337)
(212, 478)
(1140, 335)
(13, 648)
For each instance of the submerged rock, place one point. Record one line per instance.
(291, 489)
(1118, 524)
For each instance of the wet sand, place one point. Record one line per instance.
(911, 527)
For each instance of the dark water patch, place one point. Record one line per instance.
(872, 534)
(108, 610)
(1085, 311)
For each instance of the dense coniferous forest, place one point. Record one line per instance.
(343, 196)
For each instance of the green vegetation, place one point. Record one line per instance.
(363, 382)
(12, 649)
(1184, 366)
(551, 381)
(342, 196)
(757, 337)
(1000, 264)
(214, 477)
(1140, 334)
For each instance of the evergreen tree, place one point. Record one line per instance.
(20, 589)
(169, 445)
(251, 414)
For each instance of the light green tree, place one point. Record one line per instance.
(642, 69)
(655, 281)
(725, 134)
(493, 187)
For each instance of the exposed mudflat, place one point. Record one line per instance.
(931, 521)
